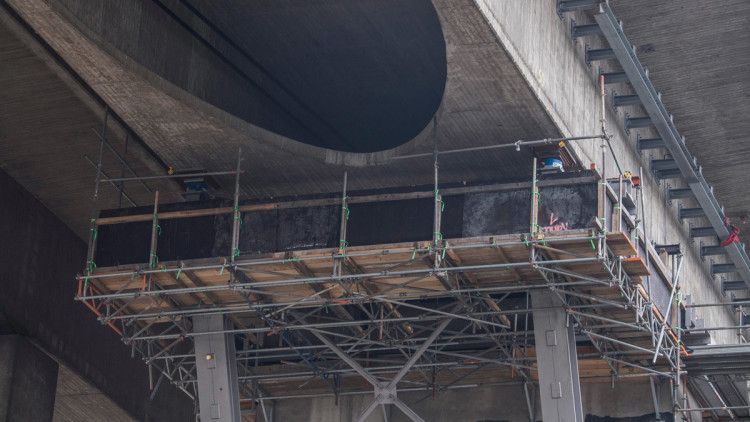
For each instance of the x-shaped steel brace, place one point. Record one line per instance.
(386, 393)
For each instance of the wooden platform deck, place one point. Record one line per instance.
(401, 272)
(404, 270)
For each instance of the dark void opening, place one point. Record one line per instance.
(357, 76)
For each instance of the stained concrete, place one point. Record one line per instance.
(563, 80)
(28, 379)
(37, 269)
(77, 400)
(479, 108)
(46, 122)
(340, 70)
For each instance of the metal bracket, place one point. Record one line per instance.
(578, 31)
(613, 77)
(564, 6)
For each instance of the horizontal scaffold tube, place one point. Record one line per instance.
(333, 278)
(334, 255)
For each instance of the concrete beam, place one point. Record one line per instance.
(28, 380)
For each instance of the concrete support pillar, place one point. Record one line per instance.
(28, 381)
(216, 370)
(559, 386)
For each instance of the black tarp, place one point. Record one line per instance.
(562, 207)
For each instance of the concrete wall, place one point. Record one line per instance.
(39, 260)
(499, 403)
(554, 66)
(28, 378)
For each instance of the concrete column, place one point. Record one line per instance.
(28, 380)
(559, 386)
(216, 370)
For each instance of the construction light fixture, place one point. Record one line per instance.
(209, 356)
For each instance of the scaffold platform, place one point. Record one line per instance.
(597, 274)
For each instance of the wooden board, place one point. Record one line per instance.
(278, 275)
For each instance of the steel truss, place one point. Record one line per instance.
(433, 347)
(386, 326)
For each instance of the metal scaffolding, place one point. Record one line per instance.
(429, 316)
(424, 316)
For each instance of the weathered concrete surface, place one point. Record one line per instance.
(328, 74)
(28, 378)
(485, 103)
(174, 126)
(554, 66)
(78, 400)
(37, 268)
(46, 122)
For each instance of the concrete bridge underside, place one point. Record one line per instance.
(308, 92)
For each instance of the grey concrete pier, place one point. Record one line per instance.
(28, 380)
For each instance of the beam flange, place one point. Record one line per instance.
(559, 384)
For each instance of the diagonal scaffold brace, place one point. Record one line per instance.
(385, 393)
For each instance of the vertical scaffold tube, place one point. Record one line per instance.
(534, 222)
(342, 230)
(153, 259)
(437, 236)
(90, 265)
(237, 219)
